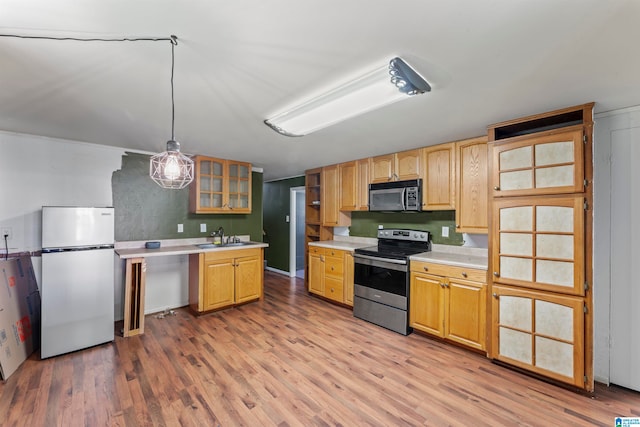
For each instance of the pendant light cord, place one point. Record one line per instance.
(172, 39)
(174, 42)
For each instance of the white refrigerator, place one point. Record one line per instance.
(77, 290)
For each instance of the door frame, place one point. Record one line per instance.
(293, 194)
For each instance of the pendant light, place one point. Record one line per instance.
(171, 169)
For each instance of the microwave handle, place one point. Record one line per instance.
(404, 199)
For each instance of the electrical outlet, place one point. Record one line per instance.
(286, 218)
(6, 231)
(203, 228)
(180, 228)
(445, 231)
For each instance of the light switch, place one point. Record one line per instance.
(180, 228)
(203, 228)
(445, 231)
(286, 218)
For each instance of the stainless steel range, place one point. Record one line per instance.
(381, 278)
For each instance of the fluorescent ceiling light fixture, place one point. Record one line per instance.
(371, 91)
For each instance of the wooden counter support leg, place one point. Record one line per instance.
(134, 297)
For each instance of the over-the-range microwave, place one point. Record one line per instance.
(396, 196)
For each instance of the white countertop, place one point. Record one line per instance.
(136, 249)
(459, 256)
(338, 244)
(458, 260)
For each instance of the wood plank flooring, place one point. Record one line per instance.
(290, 360)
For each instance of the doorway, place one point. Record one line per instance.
(296, 232)
(616, 209)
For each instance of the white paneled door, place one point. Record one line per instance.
(625, 257)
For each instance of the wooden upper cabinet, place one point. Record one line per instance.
(409, 165)
(221, 186)
(329, 209)
(472, 195)
(354, 185)
(382, 168)
(438, 186)
(362, 185)
(396, 166)
(239, 188)
(348, 186)
(549, 163)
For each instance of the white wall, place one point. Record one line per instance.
(606, 124)
(36, 171)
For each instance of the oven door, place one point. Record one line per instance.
(387, 275)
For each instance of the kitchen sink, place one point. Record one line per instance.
(238, 244)
(208, 246)
(224, 245)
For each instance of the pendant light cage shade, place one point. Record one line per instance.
(171, 169)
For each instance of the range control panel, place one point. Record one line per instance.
(410, 235)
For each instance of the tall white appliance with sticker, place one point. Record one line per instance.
(77, 289)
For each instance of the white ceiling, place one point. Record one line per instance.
(240, 62)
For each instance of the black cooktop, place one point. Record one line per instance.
(398, 244)
(391, 251)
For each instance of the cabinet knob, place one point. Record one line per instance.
(457, 225)
(331, 268)
(464, 274)
(332, 290)
(496, 188)
(446, 285)
(495, 295)
(441, 285)
(426, 268)
(495, 273)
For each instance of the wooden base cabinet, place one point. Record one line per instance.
(449, 302)
(331, 274)
(223, 279)
(540, 332)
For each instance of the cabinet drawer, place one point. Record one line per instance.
(334, 253)
(333, 289)
(316, 250)
(220, 254)
(449, 271)
(333, 266)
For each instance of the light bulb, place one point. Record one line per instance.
(171, 168)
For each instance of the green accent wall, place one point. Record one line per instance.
(144, 211)
(365, 224)
(276, 206)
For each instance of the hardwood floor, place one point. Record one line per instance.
(289, 360)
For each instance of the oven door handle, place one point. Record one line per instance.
(404, 199)
(375, 258)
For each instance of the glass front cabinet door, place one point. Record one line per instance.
(221, 186)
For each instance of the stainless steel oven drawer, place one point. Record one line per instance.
(381, 315)
(382, 297)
